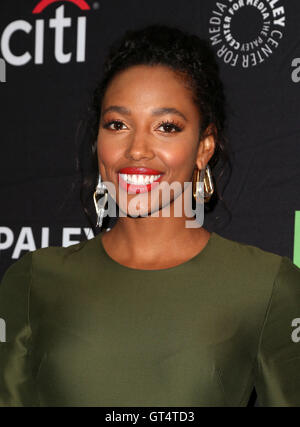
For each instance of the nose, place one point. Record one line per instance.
(139, 148)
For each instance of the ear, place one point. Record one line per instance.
(207, 146)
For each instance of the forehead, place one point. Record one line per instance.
(145, 85)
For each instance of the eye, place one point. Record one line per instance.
(170, 126)
(118, 124)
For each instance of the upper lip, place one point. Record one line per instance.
(140, 171)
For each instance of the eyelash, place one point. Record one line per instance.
(173, 123)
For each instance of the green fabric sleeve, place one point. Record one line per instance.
(277, 379)
(17, 387)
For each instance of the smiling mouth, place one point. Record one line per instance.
(138, 183)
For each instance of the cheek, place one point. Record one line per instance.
(180, 158)
(108, 153)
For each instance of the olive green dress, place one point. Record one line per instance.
(84, 330)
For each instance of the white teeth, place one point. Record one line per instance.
(139, 179)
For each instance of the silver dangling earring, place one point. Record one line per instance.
(100, 204)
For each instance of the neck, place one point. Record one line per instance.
(155, 237)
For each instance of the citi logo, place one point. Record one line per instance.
(57, 26)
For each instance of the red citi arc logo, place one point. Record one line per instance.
(59, 24)
(45, 3)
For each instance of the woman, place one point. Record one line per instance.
(152, 312)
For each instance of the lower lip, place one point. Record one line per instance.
(136, 189)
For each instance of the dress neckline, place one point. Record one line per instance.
(184, 264)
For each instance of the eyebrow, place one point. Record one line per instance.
(155, 112)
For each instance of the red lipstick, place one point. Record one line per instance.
(140, 171)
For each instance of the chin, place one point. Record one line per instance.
(139, 210)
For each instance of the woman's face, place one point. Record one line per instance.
(149, 120)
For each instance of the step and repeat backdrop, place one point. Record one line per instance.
(51, 57)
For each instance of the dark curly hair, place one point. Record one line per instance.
(187, 55)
